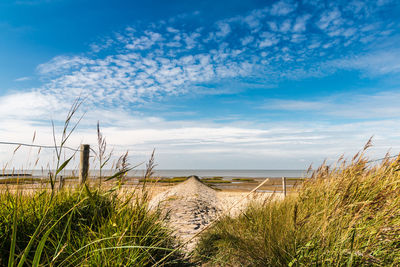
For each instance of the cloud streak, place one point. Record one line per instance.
(383, 105)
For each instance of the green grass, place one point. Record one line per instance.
(216, 181)
(84, 226)
(243, 179)
(92, 228)
(347, 215)
(71, 177)
(212, 178)
(164, 180)
(19, 180)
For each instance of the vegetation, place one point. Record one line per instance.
(216, 181)
(345, 215)
(19, 180)
(84, 225)
(243, 179)
(88, 227)
(212, 178)
(164, 180)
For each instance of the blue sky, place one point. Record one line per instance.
(209, 84)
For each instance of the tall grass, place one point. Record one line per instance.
(83, 225)
(344, 215)
(88, 227)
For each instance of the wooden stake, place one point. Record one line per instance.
(61, 182)
(284, 186)
(84, 164)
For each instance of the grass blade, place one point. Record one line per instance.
(65, 163)
(14, 237)
(117, 174)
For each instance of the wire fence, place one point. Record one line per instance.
(84, 161)
(38, 146)
(43, 146)
(91, 149)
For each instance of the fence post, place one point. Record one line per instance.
(284, 186)
(84, 164)
(61, 183)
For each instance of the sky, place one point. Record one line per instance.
(207, 84)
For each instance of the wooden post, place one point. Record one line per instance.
(284, 186)
(61, 183)
(84, 164)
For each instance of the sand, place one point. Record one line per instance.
(191, 206)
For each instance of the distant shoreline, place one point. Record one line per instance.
(169, 173)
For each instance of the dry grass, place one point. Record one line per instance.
(345, 215)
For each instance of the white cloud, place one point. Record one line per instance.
(254, 19)
(249, 145)
(29, 105)
(285, 26)
(191, 39)
(105, 43)
(223, 29)
(22, 79)
(294, 105)
(383, 2)
(328, 18)
(172, 30)
(374, 63)
(272, 25)
(60, 64)
(144, 42)
(122, 73)
(300, 24)
(383, 105)
(282, 8)
(247, 40)
(298, 38)
(268, 39)
(143, 64)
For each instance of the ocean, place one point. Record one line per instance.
(232, 173)
(178, 173)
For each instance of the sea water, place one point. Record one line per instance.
(180, 172)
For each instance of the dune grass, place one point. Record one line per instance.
(87, 227)
(344, 215)
(83, 225)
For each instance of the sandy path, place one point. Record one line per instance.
(192, 205)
